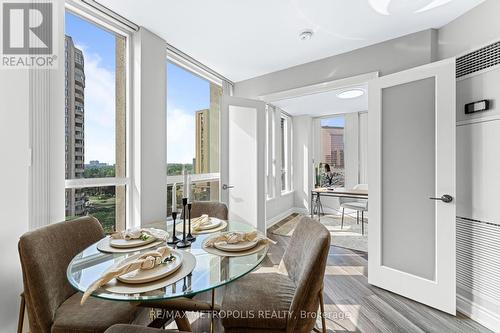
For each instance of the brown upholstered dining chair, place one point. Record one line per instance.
(296, 289)
(195, 304)
(53, 305)
(211, 208)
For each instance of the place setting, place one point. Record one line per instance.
(144, 272)
(203, 224)
(132, 240)
(235, 244)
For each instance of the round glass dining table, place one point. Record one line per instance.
(211, 271)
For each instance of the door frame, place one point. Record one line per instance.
(445, 272)
(342, 83)
(226, 101)
(319, 87)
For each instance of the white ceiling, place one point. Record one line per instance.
(243, 39)
(324, 104)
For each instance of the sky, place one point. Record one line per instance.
(186, 94)
(98, 47)
(335, 121)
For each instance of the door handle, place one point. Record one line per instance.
(225, 186)
(444, 198)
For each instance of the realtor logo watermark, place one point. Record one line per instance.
(28, 34)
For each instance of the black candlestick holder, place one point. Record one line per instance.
(184, 242)
(190, 237)
(174, 239)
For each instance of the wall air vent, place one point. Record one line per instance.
(479, 60)
(478, 257)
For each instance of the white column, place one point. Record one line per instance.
(149, 160)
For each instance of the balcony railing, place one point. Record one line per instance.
(204, 187)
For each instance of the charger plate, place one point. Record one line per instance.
(212, 223)
(188, 264)
(149, 275)
(221, 227)
(238, 247)
(104, 246)
(213, 250)
(129, 243)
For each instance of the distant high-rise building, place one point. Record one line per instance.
(332, 150)
(202, 131)
(74, 124)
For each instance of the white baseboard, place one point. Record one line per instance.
(273, 220)
(479, 313)
(303, 211)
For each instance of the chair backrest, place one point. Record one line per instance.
(45, 254)
(212, 208)
(305, 261)
(363, 187)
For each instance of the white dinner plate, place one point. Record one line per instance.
(148, 275)
(241, 246)
(129, 243)
(213, 223)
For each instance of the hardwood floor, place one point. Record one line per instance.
(352, 305)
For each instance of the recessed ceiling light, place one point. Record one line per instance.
(306, 35)
(351, 93)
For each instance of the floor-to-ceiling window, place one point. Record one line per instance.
(332, 153)
(193, 104)
(95, 119)
(285, 152)
(278, 152)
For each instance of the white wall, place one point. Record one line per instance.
(474, 29)
(302, 161)
(387, 57)
(278, 208)
(14, 197)
(478, 163)
(26, 96)
(149, 186)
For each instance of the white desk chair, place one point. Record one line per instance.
(359, 205)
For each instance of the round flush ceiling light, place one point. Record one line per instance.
(306, 35)
(351, 93)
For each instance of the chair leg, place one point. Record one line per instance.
(362, 222)
(182, 322)
(322, 309)
(20, 321)
(342, 223)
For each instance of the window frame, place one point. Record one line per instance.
(320, 142)
(187, 65)
(287, 147)
(274, 155)
(115, 27)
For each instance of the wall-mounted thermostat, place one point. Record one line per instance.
(477, 106)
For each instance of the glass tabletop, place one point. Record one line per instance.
(211, 271)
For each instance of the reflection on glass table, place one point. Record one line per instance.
(211, 271)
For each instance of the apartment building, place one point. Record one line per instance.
(74, 124)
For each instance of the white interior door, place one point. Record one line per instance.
(243, 136)
(412, 160)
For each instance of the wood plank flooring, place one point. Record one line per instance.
(352, 305)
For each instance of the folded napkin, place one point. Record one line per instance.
(137, 233)
(238, 237)
(148, 260)
(198, 222)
